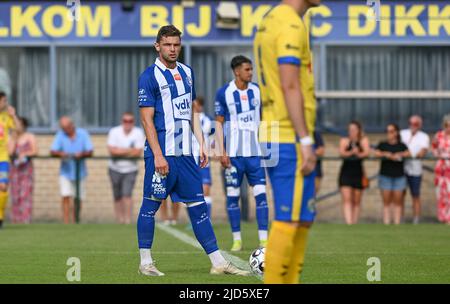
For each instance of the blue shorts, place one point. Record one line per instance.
(392, 183)
(206, 175)
(250, 166)
(184, 183)
(4, 172)
(414, 183)
(292, 192)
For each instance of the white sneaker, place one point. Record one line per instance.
(173, 222)
(166, 222)
(150, 270)
(229, 268)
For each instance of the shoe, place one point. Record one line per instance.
(150, 270)
(263, 243)
(229, 268)
(173, 222)
(166, 223)
(237, 245)
(416, 221)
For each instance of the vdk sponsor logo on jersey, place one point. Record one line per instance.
(182, 107)
(246, 120)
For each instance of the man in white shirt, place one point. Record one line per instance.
(418, 143)
(124, 141)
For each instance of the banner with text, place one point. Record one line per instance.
(46, 21)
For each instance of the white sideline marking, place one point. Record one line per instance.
(193, 242)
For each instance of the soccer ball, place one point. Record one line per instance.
(257, 260)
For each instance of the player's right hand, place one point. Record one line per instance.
(225, 161)
(309, 159)
(161, 165)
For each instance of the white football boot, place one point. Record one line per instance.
(229, 268)
(150, 270)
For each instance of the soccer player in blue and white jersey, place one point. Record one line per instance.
(208, 130)
(166, 91)
(238, 105)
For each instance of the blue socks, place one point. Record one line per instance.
(146, 223)
(198, 214)
(234, 213)
(201, 224)
(262, 211)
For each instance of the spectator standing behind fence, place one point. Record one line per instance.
(22, 147)
(441, 149)
(352, 177)
(71, 144)
(319, 149)
(125, 140)
(392, 179)
(418, 143)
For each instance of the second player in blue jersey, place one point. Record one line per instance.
(238, 114)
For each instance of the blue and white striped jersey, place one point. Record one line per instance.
(170, 92)
(242, 112)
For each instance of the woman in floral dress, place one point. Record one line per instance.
(21, 176)
(441, 149)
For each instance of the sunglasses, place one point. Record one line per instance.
(414, 123)
(391, 130)
(127, 120)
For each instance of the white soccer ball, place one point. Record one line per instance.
(257, 260)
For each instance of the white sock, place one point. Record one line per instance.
(217, 259)
(237, 236)
(146, 256)
(208, 199)
(262, 235)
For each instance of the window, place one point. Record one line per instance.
(96, 85)
(386, 68)
(25, 77)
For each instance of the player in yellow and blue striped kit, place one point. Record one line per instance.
(8, 120)
(283, 60)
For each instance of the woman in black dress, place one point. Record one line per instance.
(353, 149)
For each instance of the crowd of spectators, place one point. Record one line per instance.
(400, 153)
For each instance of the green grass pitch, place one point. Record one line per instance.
(38, 253)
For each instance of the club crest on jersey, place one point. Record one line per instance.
(189, 81)
(177, 77)
(255, 102)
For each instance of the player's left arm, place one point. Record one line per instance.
(294, 100)
(291, 45)
(196, 127)
(198, 133)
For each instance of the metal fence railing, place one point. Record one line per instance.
(244, 193)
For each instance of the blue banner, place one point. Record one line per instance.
(47, 21)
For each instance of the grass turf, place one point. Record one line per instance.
(38, 253)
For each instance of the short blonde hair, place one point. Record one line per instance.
(446, 120)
